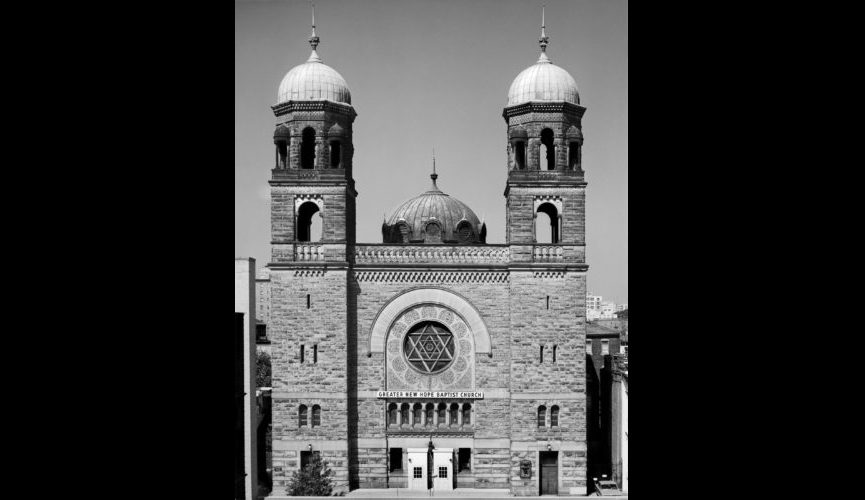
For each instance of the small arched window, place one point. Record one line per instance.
(573, 155)
(455, 411)
(554, 416)
(542, 416)
(547, 157)
(391, 414)
(404, 413)
(464, 232)
(433, 233)
(301, 416)
(316, 415)
(520, 154)
(307, 148)
(430, 410)
(442, 410)
(335, 154)
(403, 234)
(467, 414)
(418, 410)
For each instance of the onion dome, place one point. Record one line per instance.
(544, 81)
(433, 217)
(313, 80)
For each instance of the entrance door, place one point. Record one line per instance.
(549, 473)
(417, 468)
(443, 469)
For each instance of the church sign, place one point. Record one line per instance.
(429, 394)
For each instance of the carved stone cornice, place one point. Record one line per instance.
(563, 107)
(327, 106)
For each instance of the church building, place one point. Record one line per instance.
(430, 359)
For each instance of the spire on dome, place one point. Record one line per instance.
(313, 40)
(434, 175)
(544, 40)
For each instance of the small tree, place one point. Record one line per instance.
(313, 480)
(262, 375)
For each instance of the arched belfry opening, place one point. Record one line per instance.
(309, 223)
(307, 148)
(547, 224)
(282, 140)
(519, 137)
(547, 157)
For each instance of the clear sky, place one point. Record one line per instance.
(436, 73)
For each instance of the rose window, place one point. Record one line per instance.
(429, 347)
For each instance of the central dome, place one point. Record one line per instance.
(433, 217)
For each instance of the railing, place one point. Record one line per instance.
(430, 254)
(553, 253)
(308, 252)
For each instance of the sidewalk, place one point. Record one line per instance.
(457, 493)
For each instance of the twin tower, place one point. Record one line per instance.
(431, 359)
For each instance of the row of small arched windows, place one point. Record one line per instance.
(546, 152)
(429, 415)
(542, 416)
(303, 416)
(307, 150)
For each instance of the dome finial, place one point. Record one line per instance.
(544, 40)
(313, 39)
(434, 175)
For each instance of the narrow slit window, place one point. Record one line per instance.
(555, 348)
(542, 354)
(308, 300)
(548, 301)
(301, 353)
(315, 353)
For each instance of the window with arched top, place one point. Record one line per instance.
(542, 416)
(547, 224)
(554, 416)
(391, 414)
(309, 222)
(307, 148)
(520, 154)
(417, 410)
(467, 414)
(403, 233)
(547, 158)
(432, 233)
(430, 410)
(573, 155)
(403, 410)
(442, 410)
(335, 154)
(316, 415)
(302, 416)
(455, 411)
(464, 232)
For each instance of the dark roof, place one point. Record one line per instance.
(596, 330)
(622, 314)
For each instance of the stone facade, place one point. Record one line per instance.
(508, 319)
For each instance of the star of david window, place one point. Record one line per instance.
(429, 347)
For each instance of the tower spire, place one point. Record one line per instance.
(434, 175)
(544, 40)
(313, 39)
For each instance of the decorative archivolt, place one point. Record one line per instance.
(398, 305)
(303, 198)
(556, 201)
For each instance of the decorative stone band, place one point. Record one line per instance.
(321, 106)
(431, 277)
(397, 305)
(426, 254)
(556, 107)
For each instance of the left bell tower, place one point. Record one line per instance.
(312, 198)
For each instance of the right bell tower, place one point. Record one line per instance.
(545, 189)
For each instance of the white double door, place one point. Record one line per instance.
(442, 469)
